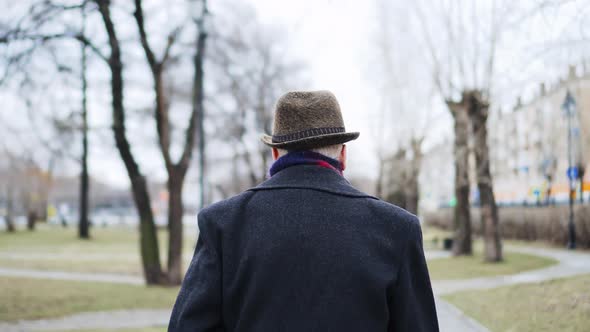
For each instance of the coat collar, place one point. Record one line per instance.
(311, 177)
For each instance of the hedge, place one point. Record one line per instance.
(546, 223)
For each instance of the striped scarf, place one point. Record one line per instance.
(305, 158)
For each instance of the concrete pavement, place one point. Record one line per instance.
(451, 319)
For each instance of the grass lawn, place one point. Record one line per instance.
(433, 237)
(556, 305)
(111, 250)
(465, 267)
(24, 298)
(52, 239)
(116, 265)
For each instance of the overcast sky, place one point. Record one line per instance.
(334, 38)
(337, 40)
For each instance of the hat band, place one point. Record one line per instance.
(306, 133)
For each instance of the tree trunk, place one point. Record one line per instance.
(379, 182)
(581, 173)
(548, 192)
(31, 219)
(413, 188)
(83, 224)
(198, 109)
(478, 115)
(462, 219)
(148, 238)
(265, 156)
(412, 199)
(9, 211)
(177, 171)
(175, 229)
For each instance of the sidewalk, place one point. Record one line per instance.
(73, 276)
(451, 319)
(108, 320)
(570, 264)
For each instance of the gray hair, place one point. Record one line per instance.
(332, 151)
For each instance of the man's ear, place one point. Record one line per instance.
(275, 154)
(342, 157)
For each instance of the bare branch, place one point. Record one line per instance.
(43, 38)
(436, 70)
(151, 58)
(161, 107)
(197, 94)
(171, 40)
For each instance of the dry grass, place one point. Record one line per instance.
(111, 250)
(24, 298)
(466, 267)
(556, 305)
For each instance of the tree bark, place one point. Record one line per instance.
(413, 188)
(176, 171)
(462, 242)
(83, 224)
(397, 170)
(175, 229)
(581, 173)
(197, 102)
(379, 182)
(548, 192)
(31, 219)
(9, 211)
(478, 115)
(148, 238)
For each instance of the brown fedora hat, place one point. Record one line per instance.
(307, 120)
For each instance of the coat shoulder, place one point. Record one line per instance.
(393, 212)
(226, 207)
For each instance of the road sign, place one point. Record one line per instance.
(575, 132)
(569, 104)
(572, 173)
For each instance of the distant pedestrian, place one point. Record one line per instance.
(304, 250)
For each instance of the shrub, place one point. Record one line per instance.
(547, 223)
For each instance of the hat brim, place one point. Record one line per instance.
(311, 142)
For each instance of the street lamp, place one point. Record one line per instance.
(569, 109)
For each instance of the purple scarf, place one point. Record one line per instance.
(305, 158)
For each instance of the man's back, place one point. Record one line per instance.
(305, 251)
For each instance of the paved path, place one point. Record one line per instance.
(436, 254)
(570, 264)
(108, 320)
(74, 276)
(451, 319)
(75, 256)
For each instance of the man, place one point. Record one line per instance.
(304, 250)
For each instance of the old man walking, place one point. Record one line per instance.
(304, 250)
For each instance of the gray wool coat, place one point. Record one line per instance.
(306, 251)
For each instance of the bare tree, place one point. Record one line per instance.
(412, 187)
(83, 223)
(24, 186)
(148, 238)
(463, 68)
(400, 177)
(252, 68)
(394, 178)
(30, 30)
(462, 244)
(176, 170)
(7, 173)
